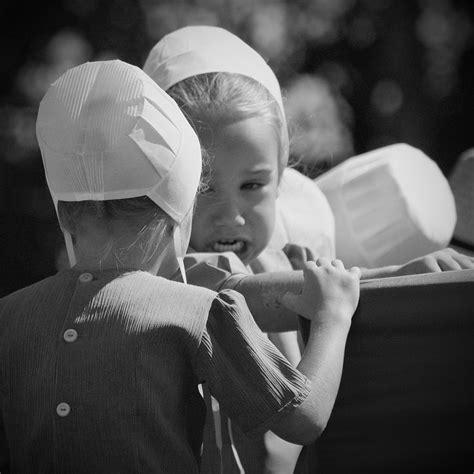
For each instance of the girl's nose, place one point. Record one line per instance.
(229, 212)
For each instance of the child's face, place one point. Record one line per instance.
(237, 212)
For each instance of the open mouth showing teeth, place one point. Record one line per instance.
(229, 246)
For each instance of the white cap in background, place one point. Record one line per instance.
(390, 205)
(304, 216)
(461, 180)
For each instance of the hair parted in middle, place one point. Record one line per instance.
(220, 98)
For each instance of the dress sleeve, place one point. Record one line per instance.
(249, 377)
(213, 270)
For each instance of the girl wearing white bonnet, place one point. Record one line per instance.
(220, 82)
(100, 363)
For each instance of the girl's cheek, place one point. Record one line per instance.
(266, 202)
(196, 238)
(206, 204)
(198, 220)
(260, 197)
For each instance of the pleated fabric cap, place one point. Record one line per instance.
(106, 131)
(194, 50)
(390, 205)
(461, 180)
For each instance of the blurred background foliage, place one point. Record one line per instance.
(356, 75)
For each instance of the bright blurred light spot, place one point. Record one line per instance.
(269, 32)
(106, 55)
(434, 28)
(164, 17)
(323, 20)
(18, 134)
(34, 79)
(445, 32)
(160, 20)
(319, 121)
(337, 76)
(65, 50)
(387, 97)
(68, 48)
(200, 16)
(320, 29)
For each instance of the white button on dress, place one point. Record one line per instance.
(70, 335)
(63, 409)
(85, 277)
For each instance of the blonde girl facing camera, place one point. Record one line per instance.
(233, 100)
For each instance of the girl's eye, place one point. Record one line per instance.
(251, 186)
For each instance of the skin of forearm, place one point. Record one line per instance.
(381, 272)
(263, 292)
(322, 363)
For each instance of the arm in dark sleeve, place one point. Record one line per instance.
(245, 372)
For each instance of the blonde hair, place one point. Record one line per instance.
(222, 97)
(140, 215)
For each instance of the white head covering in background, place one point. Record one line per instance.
(391, 205)
(304, 216)
(462, 185)
(107, 131)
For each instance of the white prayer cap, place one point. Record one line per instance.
(462, 184)
(107, 131)
(391, 205)
(194, 50)
(304, 216)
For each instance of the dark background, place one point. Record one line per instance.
(356, 75)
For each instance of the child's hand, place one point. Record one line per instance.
(440, 261)
(330, 292)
